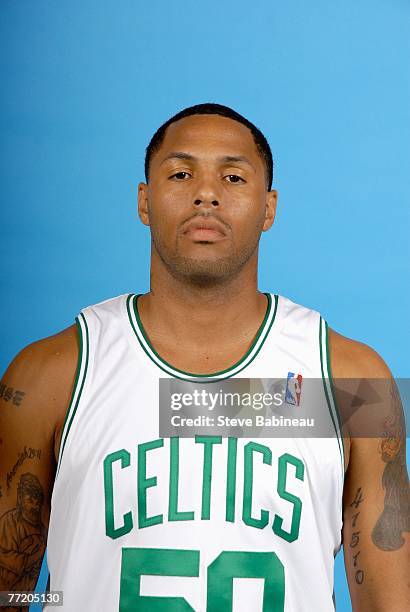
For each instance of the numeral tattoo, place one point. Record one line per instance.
(355, 539)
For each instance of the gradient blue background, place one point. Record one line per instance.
(85, 85)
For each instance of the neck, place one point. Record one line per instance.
(223, 315)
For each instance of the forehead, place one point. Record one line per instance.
(209, 135)
(31, 493)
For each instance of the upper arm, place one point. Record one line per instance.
(375, 527)
(34, 393)
(376, 506)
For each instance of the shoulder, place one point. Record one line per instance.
(296, 319)
(111, 305)
(293, 309)
(367, 399)
(47, 356)
(8, 518)
(352, 359)
(40, 378)
(349, 358)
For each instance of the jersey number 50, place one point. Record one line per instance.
(137, 562)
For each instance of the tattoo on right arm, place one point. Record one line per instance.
(23, 537)
(10, 394)
(26, 453)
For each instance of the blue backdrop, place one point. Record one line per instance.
(85, 85)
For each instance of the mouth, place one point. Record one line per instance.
(205, 230)
(204, 234)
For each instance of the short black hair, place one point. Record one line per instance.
(211, 108)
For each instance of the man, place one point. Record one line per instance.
(143, 522)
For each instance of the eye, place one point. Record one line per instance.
(178, 174)
(235, 176)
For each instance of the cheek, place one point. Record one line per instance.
(169, 196)
(167, 212)
(248, 215)
(248, 231)
(163, 206)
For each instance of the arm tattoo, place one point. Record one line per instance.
(395, 518)
(27, 453)
(23, 537)
(355, 539)
(10, 394)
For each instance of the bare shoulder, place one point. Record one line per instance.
(353, 359)
(48, 351)
(355, 367)
(39, 380)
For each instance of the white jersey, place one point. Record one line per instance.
(141, 522)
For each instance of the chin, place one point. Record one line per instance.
(214, 273)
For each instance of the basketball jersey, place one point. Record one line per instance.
(141, 522)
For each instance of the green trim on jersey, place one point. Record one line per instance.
(149, 350)
(82, 366)
(329, 388)
(329, 369)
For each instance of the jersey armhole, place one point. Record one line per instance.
(329, 388)
(82, 367)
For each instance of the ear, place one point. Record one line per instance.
(143, 203)
(270, 209)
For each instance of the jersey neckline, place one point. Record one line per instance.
(242, 363)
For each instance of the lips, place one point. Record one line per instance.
(203, 229)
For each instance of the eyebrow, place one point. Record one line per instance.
(224, 159)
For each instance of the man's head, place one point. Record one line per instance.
(211, 108)
(30, 498)
(207, 197)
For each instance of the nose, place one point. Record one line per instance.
(206, 194)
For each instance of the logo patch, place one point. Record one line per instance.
(293, 389)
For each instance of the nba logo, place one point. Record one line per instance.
(293, 389)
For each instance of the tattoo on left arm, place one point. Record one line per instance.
(355, 539)
(395, 517)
